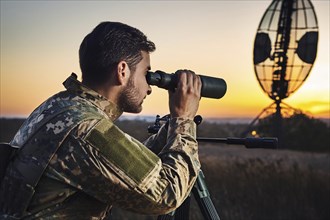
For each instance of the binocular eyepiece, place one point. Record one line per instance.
(211, 87)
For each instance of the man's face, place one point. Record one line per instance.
(137, 88)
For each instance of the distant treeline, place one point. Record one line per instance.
(300, 132)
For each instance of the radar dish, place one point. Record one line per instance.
(285, 47)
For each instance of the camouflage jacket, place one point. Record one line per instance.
(98, 166)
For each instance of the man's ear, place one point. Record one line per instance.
(123, 72)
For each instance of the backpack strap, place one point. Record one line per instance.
(32, 171)
(25, 172)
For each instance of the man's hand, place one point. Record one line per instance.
(184, 101)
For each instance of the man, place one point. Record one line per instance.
(96, 165)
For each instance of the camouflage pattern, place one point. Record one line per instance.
(98, 166)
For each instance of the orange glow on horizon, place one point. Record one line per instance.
(39, 50)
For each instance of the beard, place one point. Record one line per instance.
(128, 100)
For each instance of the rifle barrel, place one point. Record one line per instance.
(269, 143)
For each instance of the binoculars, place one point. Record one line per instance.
(211, 87)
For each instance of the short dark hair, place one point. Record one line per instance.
(107, 45)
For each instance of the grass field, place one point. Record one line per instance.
(248, 184)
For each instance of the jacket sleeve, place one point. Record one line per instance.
(125, 173)
(156, 142)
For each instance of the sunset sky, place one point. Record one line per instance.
(40, 42)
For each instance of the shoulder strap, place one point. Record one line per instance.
(27, 173)
(33, 171)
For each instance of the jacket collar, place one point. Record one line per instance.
(109, 108)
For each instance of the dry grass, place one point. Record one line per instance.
(268, 184)
(262, 184)
(246, 183)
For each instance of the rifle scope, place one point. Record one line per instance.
(211, 87)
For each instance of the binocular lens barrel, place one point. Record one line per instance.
(211, 87)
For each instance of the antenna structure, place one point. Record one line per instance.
(285, 49)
